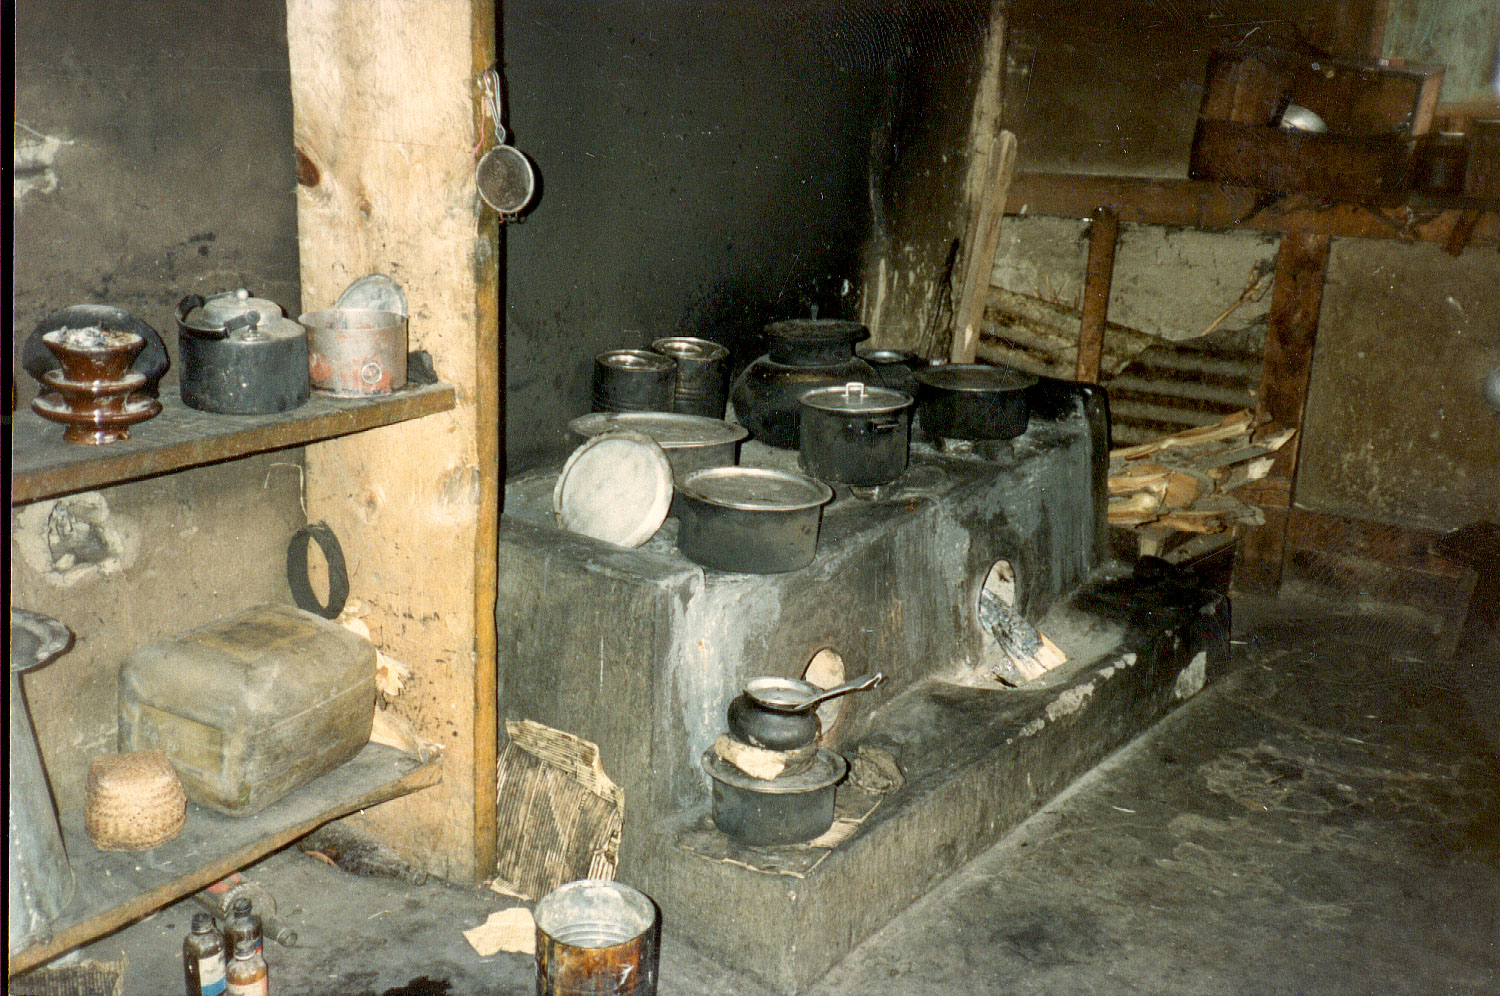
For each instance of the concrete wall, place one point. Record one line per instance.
(168, 171)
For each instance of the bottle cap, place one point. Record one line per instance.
(244, 947)
(240, 907)
(203, 923)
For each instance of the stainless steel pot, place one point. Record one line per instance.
(855, 434)
(702, 375)
(691, 442)
(973, 401)
(633, 380)
(767, 812)
(751, 520)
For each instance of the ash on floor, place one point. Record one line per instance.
(1325, 819)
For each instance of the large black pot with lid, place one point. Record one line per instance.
(973, 401)
(855, 434)
(240, 355)
(803, 353)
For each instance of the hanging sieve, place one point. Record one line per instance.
(504, 175)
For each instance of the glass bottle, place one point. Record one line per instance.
(246, 975)
(203, 958)
(242, 925)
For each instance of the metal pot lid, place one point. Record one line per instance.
(827, 768)
(636, 359)
(818, 330)
(855, 398)
(373, 292)
(672, 431)
(974, 377)
(756, 489)
(689, 348)
(616, 487)
(221, 308)
(883, 357)
(35, 639)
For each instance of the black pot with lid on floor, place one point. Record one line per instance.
(240, 355)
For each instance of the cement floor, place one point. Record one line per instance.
(1325, 819)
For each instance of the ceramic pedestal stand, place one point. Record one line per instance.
(93, 394)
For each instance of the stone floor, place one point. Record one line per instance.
(1324, 819)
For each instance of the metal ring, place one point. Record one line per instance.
(296, 571)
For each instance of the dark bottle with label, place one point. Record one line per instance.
(203, 963)
(247, 974)
(242, 925)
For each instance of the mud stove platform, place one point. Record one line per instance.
(640, 651)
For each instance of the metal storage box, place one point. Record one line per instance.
(251, 707)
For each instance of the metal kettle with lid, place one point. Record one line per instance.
(240, 355)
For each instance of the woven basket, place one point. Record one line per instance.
(134, 801)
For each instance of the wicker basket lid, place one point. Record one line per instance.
(134, 801)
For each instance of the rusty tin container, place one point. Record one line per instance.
(356, 352)
(595, 937)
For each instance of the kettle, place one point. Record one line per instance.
(241, 355)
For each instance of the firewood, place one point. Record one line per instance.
(1140, 503)
(1193, 522)
(1182, 488)
(1239, 423)
(1245, 473)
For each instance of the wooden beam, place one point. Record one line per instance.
(1104, 233)
(1291, 330)
(1195, 204)
(979, 262)
(386, 115)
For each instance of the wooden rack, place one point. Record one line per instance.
(43, 466)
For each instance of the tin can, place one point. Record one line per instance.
(702, 375)
(633, 380)
(596, 938)
(355, 352)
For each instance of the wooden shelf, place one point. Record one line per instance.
(117, 887)
(43, 466)
(1199, 204)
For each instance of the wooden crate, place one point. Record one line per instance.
(1374, 114)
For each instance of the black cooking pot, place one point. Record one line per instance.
(973, 401)
(855, 434)
(785, 810)
(780, 713)
(752, 520)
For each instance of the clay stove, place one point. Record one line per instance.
(641, 651)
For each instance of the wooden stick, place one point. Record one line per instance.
(1104, 233)
(969, 309)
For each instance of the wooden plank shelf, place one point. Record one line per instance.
(1200, 204)
(118, 887)
(43, 466)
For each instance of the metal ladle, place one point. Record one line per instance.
(791, 695)
(504, 175)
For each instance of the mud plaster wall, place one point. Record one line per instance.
(168, 171)
(1396, 428)
(706, 166)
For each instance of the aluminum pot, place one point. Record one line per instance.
(750, 520)
(973, 401)
(789, 809)
(691, 442)
(779, 713)
(855, 434)
(893, 367)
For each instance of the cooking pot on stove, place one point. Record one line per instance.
(855, 434)
(750, 520)
(779, 713)
(973, 401)
(804, 353)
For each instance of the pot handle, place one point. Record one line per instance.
(873, 427)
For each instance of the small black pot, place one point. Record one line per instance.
(973, 401)
(855, 435)
(750, 520)
(770, 729)
(789, 809)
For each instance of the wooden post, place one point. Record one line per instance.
(1292, 326)
(979, 260)
(386, 117)
(1104, 233)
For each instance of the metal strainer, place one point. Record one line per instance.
(504, 175)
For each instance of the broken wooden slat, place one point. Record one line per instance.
(1104, 234)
